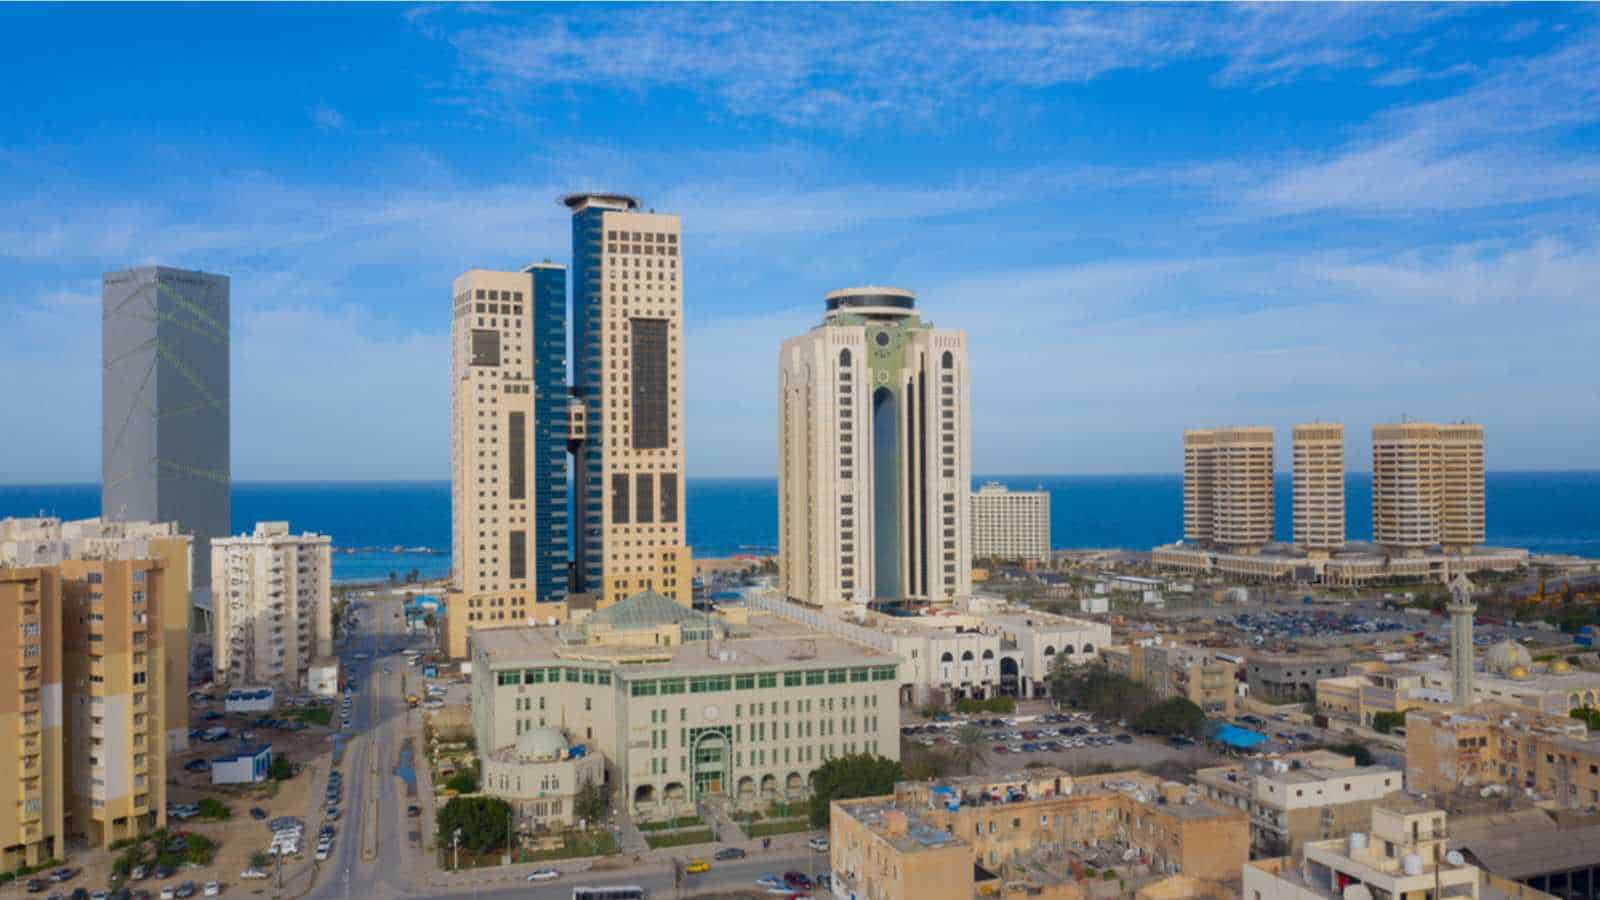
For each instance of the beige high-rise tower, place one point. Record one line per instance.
(874, 472)
(1427, 487)
(627, 533)
(1319, 515)
(1227, 488)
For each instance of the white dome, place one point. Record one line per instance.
(541, 743)
(1508, 655)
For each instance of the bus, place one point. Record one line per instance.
(609, 892)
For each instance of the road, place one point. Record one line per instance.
(656, 879)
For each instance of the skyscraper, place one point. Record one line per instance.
(164, 403)
(1227, 488)
(1427, 487)
(627, 317)
(1009, 524)
(508, 487)
(1319, 487)
(874, 455)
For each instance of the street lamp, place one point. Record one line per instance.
(455, 839)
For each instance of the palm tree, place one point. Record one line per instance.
(969, 747)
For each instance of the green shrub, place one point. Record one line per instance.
(1386, 722)
(465, 782)
(214, 809)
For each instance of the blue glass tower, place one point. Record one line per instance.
(549, 296)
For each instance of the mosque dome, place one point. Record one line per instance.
(1560, 667)
(541, 743)
(1508, 655)
(1518, 672)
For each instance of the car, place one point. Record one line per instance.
(697, 867)
(729, 853)
(169, 892)
(327, 831)
(797, 881)
(36, 885)
(64, 873)
(212, 716)
(413, 811)
(818, 843)
(253, 875)
(99, 895)
(257, 812)
(164, 871)
(322, 851)
(138, 873)
(197, 765)
(185, 890)
(212, 889)
(544, 874)
(333, 814)
(1124, 738)
(771, 882)
(387, 670)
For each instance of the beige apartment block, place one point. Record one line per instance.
(627, 290)
(30, 708)
(874, 456)
(1179, 670)
(1298, 798)
(1551, 757)
(1009, 524)
(272, 603)
(1319, 514)
(1227, 488)
(105, 607)
(1427, 487)
(683, 706)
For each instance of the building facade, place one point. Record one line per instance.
(1228, 497)
(1427, 487)
(874, 468)
(1299, 798)
(1179, 670)
(508, 485)
(1319, 514)
(101, 611)
(164, 403)
(684, 705)
(1291, 677)
(627, 534)
(1009, 524)
(273, 603)
(1496, 746)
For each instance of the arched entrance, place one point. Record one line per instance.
(747, 789)
(1010, 676)
(711, 758)
(769, 787)
(644, 798)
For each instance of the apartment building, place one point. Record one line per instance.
(1009, 524)
(1298, 798)
(508, 449)
(1403, 856)
(874, 456)
(1427, 487)
(1494, 744)
(101, 611)
(684, 705)
(273, 604)
(1228, 499)
(1319, 514)
(1018, 830)
(627, 325)
(164, 403)
(1179, 670)
(1292, 677)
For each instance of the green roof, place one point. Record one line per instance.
(646, 609)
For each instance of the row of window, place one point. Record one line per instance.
(552, 675)
(652, 688)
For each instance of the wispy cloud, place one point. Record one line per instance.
(327, 118)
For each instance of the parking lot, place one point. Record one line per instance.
(1075, 742)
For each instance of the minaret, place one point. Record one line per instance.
(1461, 609)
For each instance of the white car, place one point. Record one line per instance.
(253, 875)
(544, 875)
(170, 892)
(322, 852)
(818, 844)
(212, 889)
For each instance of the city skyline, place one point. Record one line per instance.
(1197, 214)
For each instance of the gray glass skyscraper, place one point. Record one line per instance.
(164, 399)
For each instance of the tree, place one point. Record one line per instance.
(592, 801)
(212, 808)
(464, 782)
(279, 769)
(259, 860)
(969, 747)
(1385, 722)
(1355, 751)
(1173, 716)
(1097, 689)
(853, 775)
(922, 763)
(485, 823)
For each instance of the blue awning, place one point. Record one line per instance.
(1240, 738)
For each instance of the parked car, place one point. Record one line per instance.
(730, 853)
(771, 882)
(697, 867)
(818, 843)
(544, 875)
(36, 885)
(185, 890)
(257, 812)
(413, 811)
(797, 881)
(212, 889)
(253, 875)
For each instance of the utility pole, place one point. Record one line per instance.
(456, 840)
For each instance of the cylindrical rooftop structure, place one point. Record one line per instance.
(585, 199)
(874, 301)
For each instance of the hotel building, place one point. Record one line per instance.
(1227, 488)
(682, 705)
(1319, 487)
(1009, 524)
(273, 603)
(508, 485)
(1427, 487)
(874, 468)
(164, 401)
(101, 615)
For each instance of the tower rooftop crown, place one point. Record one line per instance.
(871, 300)
(603, 199)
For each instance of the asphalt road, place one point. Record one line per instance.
(656, 879)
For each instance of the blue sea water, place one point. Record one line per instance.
(398, 526)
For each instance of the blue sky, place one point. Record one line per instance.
(1145, 218)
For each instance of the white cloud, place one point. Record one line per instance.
(327, 118)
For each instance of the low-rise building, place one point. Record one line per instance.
(1007, 828)
(248, 764)
(541, 776)
(1403, 856)
(1355, 564)
(1298, 798)
(322, 677)
(1291, 676)
(1179, 670)
(684, 705)
(1499, 747)
(1506, 675)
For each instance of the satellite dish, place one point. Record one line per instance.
(1455, 858)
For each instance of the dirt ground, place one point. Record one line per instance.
(241, 835)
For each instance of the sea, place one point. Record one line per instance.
(383, 527)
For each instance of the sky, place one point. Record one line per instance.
(1145, 218)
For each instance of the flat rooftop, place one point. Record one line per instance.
(767, 641)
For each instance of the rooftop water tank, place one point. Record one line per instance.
(1412, 864)
(1357, 841)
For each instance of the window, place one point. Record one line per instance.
(516, 471)
(518, 541)
(669, 497)
(485, 347)
(619, 499)
(650, 400)
(644, 486)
